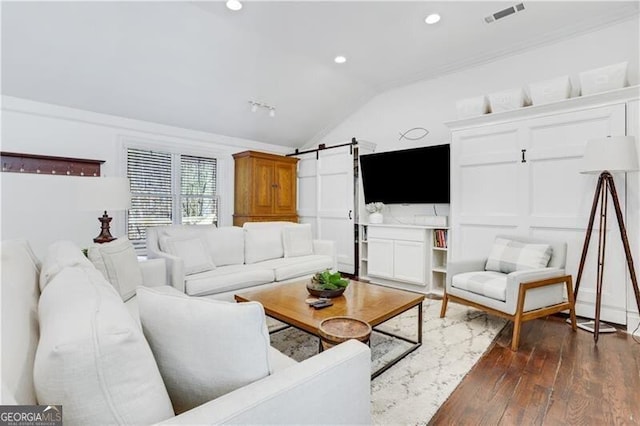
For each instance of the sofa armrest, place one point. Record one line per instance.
(327, 248)
(514, 279)
(174, 269)
(462, 266)
(154, 272)
(299, 394)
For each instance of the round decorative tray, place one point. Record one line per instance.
(336, 330)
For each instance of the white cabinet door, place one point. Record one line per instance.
(487, 187)
(380, 258)
(560, 198)
(409, 261)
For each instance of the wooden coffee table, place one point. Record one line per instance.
(368, 302)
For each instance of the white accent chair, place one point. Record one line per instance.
(518, 296)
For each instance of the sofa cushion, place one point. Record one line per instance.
(297, 240)
(225, 245)
(183, 230)
(20, 293)
(191, 250)
(227, 278)
(204, 348)
(60, 255)
(262, 243)
(287, 268)
(509, 256)
(118, 262)
(92, 357)
(488, 283)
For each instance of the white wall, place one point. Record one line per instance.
(41, 209)
(431, 103)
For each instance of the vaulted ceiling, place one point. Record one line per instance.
(198, 64)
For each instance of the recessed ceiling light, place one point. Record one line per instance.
(340, 59)
(432, 19)
(234, 5)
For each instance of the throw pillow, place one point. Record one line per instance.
(262, 243)
(297, 240)
(204, 348)
(60, 255)
(92, 356)
(508, 256)
(192, 251)
(118, 262)
(225, 245)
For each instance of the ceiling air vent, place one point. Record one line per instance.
(504, 13)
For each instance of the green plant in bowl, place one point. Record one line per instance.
(327, 284)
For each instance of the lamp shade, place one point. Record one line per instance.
(103, 193)
(613, 154)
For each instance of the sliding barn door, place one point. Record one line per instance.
(326, 200)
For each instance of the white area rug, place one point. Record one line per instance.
(411, 391)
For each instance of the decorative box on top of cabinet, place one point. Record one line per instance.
(265, 188)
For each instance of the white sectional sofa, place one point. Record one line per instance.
(203, 260)
(69, 338)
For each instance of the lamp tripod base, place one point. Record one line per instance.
(590, 326)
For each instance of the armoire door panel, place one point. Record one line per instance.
(285, 185)
(264, 189)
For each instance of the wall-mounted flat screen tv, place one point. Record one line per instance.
(409, 176)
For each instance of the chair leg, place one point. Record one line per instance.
(572, 303)
(517, 322)
(443, 309)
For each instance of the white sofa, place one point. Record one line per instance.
(295, 393)
(203, 260)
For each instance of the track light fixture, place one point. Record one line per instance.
(257, 105)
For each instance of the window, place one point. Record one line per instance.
(167, 189)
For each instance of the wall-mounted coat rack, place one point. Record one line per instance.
(48, 165)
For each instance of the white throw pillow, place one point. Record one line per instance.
(225, 245)
(204, 348)
(262, 243)
(118, 262)
(92, 356)
(192, 251)
(508, 256)
(297, 240)
(60, 255)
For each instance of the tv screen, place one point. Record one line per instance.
(410, 176)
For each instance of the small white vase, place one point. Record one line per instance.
(375, 217)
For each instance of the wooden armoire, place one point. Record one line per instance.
(265, 188)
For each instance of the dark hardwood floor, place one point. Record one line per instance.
(557, 377)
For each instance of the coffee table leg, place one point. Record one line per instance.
(414, 345)
(420, 323)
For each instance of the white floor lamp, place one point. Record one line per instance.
(605, 156)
